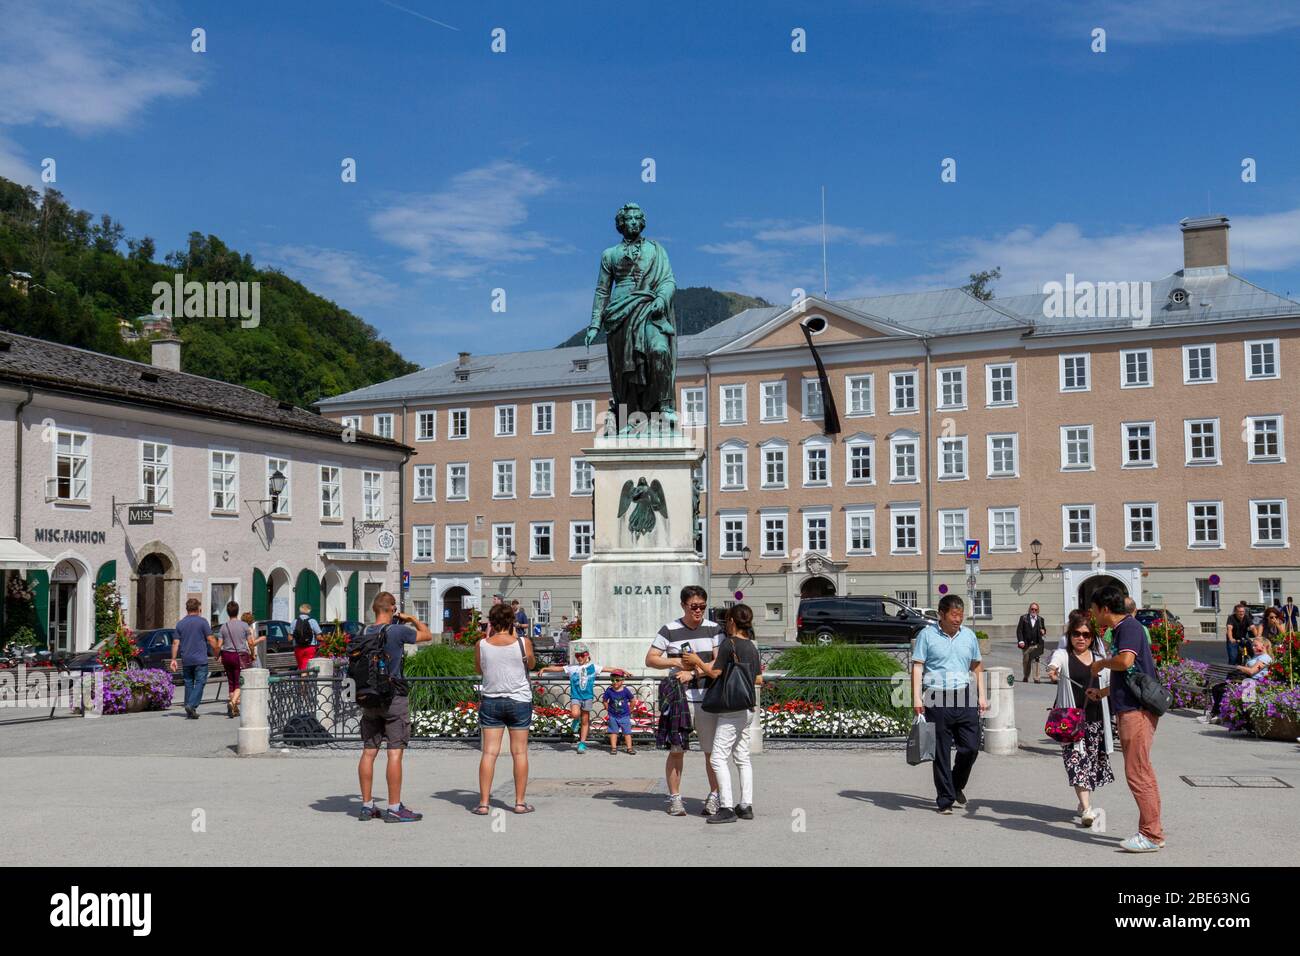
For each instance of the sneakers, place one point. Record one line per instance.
(745, 811)
(582, 748)
(403, 814)
(961, 798)
(369, 813)
(1138, 843)
(1087, 817)
(675, 808)
(711, 805)
(945, 811)
(724, 815)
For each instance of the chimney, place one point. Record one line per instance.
(464, 359)
(1205, 243)
(167, 353)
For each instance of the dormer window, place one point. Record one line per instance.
(580, 365)
(462, 376)
(1178, 299)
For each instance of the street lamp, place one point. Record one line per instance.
(1036, 547)
(513, 557)
(275, 485)
(744, 552)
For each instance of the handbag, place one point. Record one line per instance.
(1148, 692)
(733, 691)
(1065, 722)
(920, 742)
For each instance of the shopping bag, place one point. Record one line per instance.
(920, 742)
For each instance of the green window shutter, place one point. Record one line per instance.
(107, 573)
(39, 581)
(307, 591)
(261, 596)
(354, 597)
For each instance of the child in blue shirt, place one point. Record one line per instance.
(582, 690)
(618, 713)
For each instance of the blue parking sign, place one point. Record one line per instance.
(972, 549)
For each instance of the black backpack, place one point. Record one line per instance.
(368, 669)
(304, 730)
(302, 633)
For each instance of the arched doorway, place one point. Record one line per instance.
(151, 592)
(817, 587)
(1089, 586)
(65, 605)
(280, 593)
(334, 598)
(455, 614)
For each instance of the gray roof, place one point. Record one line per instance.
(51, 366)
(937, 313)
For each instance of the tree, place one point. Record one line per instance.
(979, 285)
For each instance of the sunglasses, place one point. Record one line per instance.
(1081, 634)
(696, 607)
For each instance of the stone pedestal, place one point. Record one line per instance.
(632, 584)
(1000, 735)
(254, 707)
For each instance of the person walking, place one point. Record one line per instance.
(237, 643)
(1137, 726)
(945, 663)
(193, 642)
(504, 658)
(1030, 633)
(256, 644)
(731, 740)
(1291, 614)
(521, 619)
(306, 635)
(390, 723)
(1236, 633)
(1087, 762)
(690, 633)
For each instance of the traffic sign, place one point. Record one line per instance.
(943, 589)
(973, 549)
(1214, 580)
(406, 580)
(546, 602)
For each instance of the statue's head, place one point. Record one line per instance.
(630, 221)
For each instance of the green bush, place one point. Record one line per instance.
(440, 660)
(837, 660)
(982, 635)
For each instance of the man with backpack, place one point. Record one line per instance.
(375, 669)
(306, 633)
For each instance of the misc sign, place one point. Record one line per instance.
(139, 514)
(629, 590)
(69, 536)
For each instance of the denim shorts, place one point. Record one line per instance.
(504, 712)
(619, 723)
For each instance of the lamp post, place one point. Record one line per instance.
(744, 552)
(1036, 547)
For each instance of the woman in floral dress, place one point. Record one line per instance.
(1087, 762)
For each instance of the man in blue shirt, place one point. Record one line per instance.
(945, 663)
(193, 640)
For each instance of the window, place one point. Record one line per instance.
(584, 416)
(1207, 599)
(1140, 445)
(903, 457)
(384, 425)
(426, 426)
(774, 402)
(1202, 437)
(1076, 448)
(1198, 364)
(952, 387)
(774, 528)
(733, 468)
(579, 540)
(693, 406)
(1268, 524)
(816, 465)
(1003, 456)
(1004, 529)
(733, 404)
(1141, 526)
(858, 531)
(424, 482)
(816, 533)
(421, 610)
(583, 477)
(1261, 359)
(503, 542)
(71, 481)
(458, 482)
(1270, 590)
(1078, 521)
(505, 421)
(952, 528)
(1265, 438)
(457, 537)
(544, 418)
(422, 549)
(503, 479)
(910, 598)
(952, 458)
(860, 453)
(281, 502)
(542, 532)
(372, 496)
(543, 483)
(733, 535)
(223, 475)
(1001, 384)
(1205, 524)
(902, 392)
(774, 460)
(458, 423)
(1074, 373)
(156, 474)
(905, 524)
(1135, 368)
(812, 398)
(351, 421)
(981, 603)
(331, 496)
(858, 392)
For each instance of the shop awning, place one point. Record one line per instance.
(16, 556)
(356, 554)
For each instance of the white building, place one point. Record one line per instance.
(87, 439)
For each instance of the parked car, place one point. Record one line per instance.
(1151, 616)
(278, 634)
(857, 619)
(350, 628)
(154, 647)
(931, 613)
(1256, 612)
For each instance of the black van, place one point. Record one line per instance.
(857, 619)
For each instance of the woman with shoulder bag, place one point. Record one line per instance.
(1087, 764)
(735, 670)
(235, 635)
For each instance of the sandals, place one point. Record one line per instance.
(614, 752)
(527, 808)
(632, 750)
(481, 810)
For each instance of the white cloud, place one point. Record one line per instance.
(15, 166)
(475, 222)
(1154, 21)
(333, 273)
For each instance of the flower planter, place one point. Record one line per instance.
(1281, 729)
(137, 702)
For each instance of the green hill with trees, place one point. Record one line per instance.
(87, 276)
(698, 308)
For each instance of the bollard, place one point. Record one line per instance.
(322, 668)
(999, 723)
(254, 706)
(756, 724)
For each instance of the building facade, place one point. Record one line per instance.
(162, 482)
(1080, 439)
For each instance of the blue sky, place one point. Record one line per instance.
(479, 170)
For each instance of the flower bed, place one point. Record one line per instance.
(800, 718)
(150, 685)
(462, 721)
(1189, 674)
(1267, 708)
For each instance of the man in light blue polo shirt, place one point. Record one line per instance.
(945, 663)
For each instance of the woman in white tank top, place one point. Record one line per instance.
(505, 703)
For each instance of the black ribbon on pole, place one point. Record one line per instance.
(830, 415)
